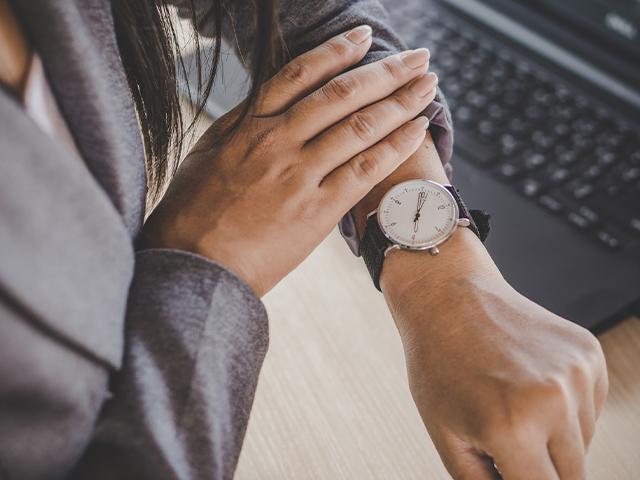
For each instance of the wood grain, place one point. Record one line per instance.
(333, 401)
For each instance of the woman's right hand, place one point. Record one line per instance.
(317, 141)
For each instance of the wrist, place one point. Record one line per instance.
(412, 278)
(425, 163)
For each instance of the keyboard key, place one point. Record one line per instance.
(551, 203)
(477, 100)
(568, 157)
(497, 113)
(464, 115)
(499, 71)
(585, 126)
(543, 140)
(559, 176)
(520, 127)
(561, 130)
(630, 175)
(487, 130)
(543, 97)
(533, 161)
(605, 158)
(470, 76)
(509, 145)
(608, 239)
(531, 187)
(493, 89)
(580, 190)
(593, 172)
(589, 214)
(582, 142)
(509, 171)
(578, 221)
(535, 113)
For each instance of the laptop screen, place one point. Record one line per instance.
(616, 22)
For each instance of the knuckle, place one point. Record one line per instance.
(593, 350)
(264, 139)
(391, 67)
(405, 102)
(339, 48)
(340, 88)
(363, 125)
(513, 432)
(556, 398)
(364, 166)
(591, 362)
(395, 149)
(296, 72)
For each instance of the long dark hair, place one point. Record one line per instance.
(151, 55)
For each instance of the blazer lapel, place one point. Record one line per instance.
(66, 257)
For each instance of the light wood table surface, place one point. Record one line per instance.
(333, 401)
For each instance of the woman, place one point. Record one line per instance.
(257, 193)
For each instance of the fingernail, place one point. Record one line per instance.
(417, 127)
(359, 34)
(415, 58)
(424, 85)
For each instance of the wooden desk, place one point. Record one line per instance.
(333, 401)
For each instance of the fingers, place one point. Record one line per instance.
(601, 386)
(352, 91)
(463, 461)
(365, 128)
(310, 70)
(471, 466)
(568, 453)
(527, 466)
(350, 182)
(525, 461)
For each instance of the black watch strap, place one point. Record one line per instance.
(374, 243)
(373, 247)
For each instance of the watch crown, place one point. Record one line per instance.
(434, 250)
(463, 222)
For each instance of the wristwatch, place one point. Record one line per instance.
(416, 215)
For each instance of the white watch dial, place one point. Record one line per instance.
(418, 214)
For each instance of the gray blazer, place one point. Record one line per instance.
(115, 363)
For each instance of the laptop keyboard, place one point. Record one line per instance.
(548, 142)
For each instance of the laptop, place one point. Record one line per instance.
(545, 97)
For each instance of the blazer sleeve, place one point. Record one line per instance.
(196, 336)
(306, 24)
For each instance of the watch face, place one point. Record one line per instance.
(418, 214)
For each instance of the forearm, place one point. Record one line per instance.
(196, 338)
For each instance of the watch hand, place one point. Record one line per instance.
(416, 224)
(421, 200)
